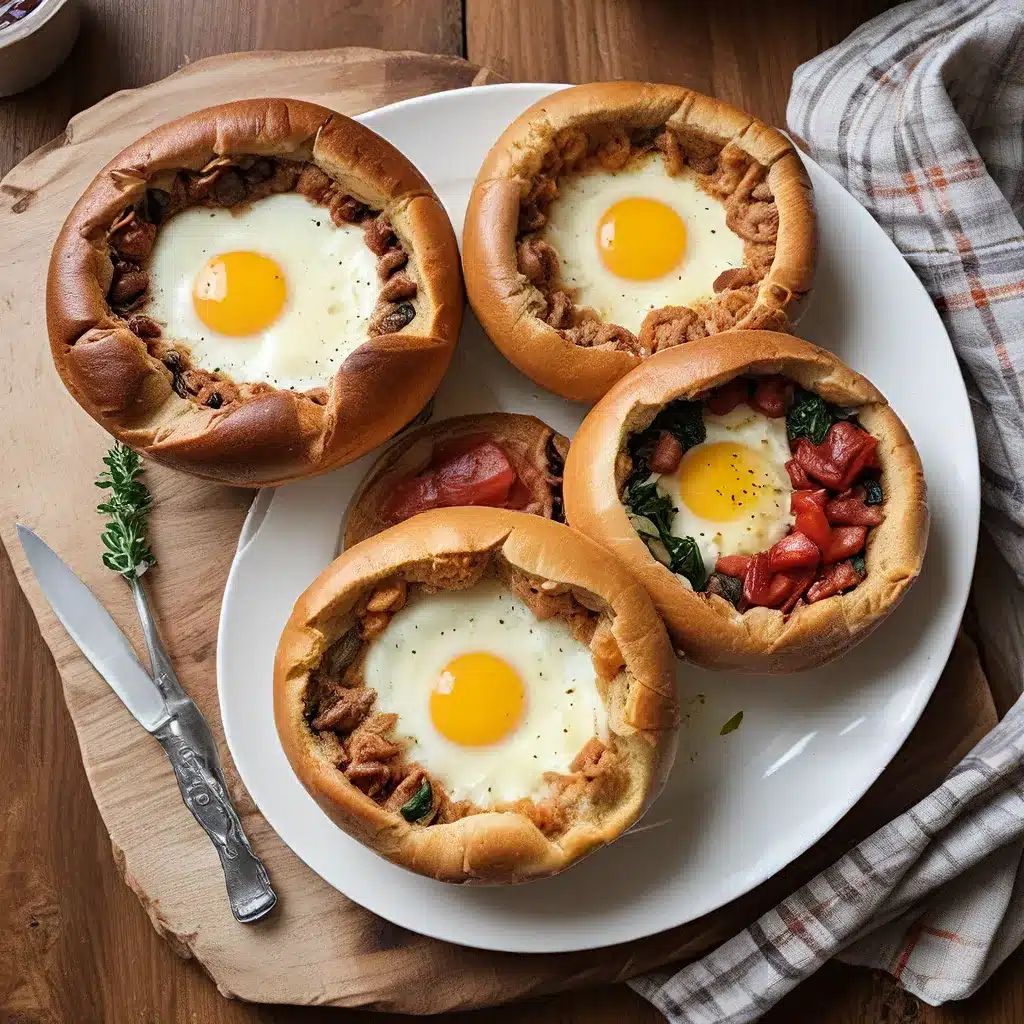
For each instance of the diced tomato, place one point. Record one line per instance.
(851, 449)
(668, 453)
(834, 580)
(850, 509)
(733, 565)
(802, 579)
(724, 399)
(773, 396)
(841, 458)
(758, 579)
(794, 551)
(797, 475)
(843, 442)
(812, 523)
(800, 500)
(815, 462)
(846, 541)
(480, 476)
(762, 587)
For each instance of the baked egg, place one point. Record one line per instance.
(273, 291)
(636, 239)
(488, 697)
(732, 491)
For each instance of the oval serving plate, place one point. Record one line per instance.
(737, 807)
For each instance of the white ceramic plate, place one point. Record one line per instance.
(737, 808)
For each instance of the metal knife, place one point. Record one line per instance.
(165, 710)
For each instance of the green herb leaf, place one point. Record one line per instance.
(126, 507)
(420, 803)
(647, 501)
(809, 416)
(858, 564)
(683, 420)
(644, 526)
(732, 725)
(726, 586)
(658, 549)
(873, 494)
(685, 558)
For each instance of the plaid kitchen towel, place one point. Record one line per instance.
(919, 114)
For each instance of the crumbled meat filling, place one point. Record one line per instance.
(232, 182)
(365, 743)
(724, 172)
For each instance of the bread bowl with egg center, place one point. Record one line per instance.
(412, 811)
(706, 627)
(157, 346)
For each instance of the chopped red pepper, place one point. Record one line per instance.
(724, 399)
(835, 579)
(733, 565)
(812, 522)
(846, 541)
(798, 475)
(802, 579)
(800, 500)
(772, 396)
(794, 551)
(815, 462)
(758, 580)
(844, 454)
(481, 476)
(850, 509)
(774, 590)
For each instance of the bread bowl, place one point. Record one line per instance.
(502, 460)
(256, 292)
(576, 316)
(808, 598)
(495, 820)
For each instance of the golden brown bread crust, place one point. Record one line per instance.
(282, 435)
(706, 628)
(491, 846)
(523, 438)
(500, 295)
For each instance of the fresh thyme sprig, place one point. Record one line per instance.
(127, 506)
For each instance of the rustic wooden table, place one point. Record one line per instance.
(75, 945)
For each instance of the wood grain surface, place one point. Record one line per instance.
(75, 944)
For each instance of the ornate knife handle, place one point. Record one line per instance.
(190, 747)
(205, 794)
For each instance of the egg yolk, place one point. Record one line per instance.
(722, 480)
(641, 239)
(478, 700)
(239, 293)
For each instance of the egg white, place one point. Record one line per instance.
(759, 528)
(572, 228)
(331, 278)
(562, 709)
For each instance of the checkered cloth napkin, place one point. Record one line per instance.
(919, 115)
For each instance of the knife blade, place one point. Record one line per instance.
(98, 637)
(165, 710)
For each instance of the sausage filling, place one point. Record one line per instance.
(363, 741)
(727, 174)
(234, 182)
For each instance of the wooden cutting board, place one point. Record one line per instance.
(317, 947)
